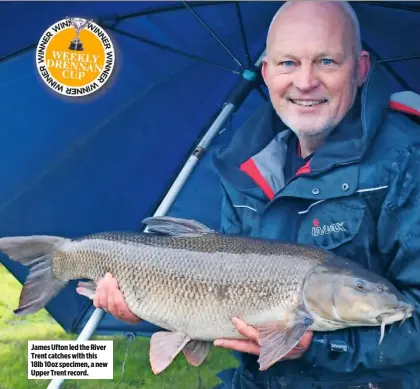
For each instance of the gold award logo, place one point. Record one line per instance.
(75, 57)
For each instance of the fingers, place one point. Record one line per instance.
(245, 346)
(112, 290)
(249, 345)
(109, 298)
(122, 310)
(246, 330)
(101, 297)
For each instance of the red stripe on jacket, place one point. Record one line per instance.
(403, 108)
(306, 168)
(249, 167)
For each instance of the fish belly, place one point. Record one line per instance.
(197, 292)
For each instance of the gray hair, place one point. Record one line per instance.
(348, 11)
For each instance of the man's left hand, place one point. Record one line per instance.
(251, 344)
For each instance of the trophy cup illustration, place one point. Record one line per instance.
(79, 24)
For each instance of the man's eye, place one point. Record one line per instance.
(287, 64)
(327, 61)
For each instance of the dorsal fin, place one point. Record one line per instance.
(175, 226)
(406, 101)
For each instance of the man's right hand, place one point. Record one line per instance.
(109, 298)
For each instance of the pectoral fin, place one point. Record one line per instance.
(277, 339)
(196, 352)
(164, 347)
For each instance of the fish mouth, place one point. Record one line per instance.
(393, 315)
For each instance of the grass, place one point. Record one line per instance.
(131, 359)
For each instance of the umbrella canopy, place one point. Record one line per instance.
(105, 162)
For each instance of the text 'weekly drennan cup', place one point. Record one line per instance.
(75, 57)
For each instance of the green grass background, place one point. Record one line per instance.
(131, 359)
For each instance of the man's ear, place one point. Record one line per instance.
(264, 69)
(363, 67)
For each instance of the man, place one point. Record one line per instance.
(325, 163)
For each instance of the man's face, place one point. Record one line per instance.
(310, 70)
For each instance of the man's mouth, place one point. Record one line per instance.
(307, 103)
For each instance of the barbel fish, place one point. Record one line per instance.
(191, 281)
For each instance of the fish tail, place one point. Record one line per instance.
(41, 285)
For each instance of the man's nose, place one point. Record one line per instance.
(306, 78)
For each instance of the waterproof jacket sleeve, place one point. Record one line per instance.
(398, 240)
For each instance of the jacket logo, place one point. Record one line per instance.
(338, 347)
(326, 229)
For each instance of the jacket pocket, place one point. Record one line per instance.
(332, 223)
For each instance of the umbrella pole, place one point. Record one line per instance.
(239, 94)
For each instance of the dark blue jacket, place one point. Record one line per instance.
(359, 196)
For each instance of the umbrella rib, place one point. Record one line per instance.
(260, 91)
(244, 40)
(155, 11)
(17, 52)
(400, 59)
(168, 48)
(402, 82)
(213, 34)
(104, 19)
(391, 5)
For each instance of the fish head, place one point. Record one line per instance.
(343, 294)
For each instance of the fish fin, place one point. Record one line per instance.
(164, 347)
(26, 249)
(41, 285)
(87, 289)
(196, 352)
(168, 225)
(277, 339)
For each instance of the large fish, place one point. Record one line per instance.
(191, 281)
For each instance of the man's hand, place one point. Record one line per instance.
(109, 298)
(251, 344)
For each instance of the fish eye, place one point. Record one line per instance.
(360, 286)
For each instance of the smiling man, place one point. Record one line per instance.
(313, 70)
